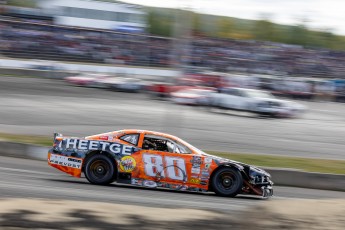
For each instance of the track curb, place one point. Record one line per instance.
(283, 177)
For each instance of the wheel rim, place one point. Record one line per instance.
(226, 181)
(99, 169)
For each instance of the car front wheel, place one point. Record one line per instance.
(227, 182)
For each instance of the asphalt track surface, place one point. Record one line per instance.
(42, 106)
(22, 178)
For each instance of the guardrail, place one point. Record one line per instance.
(68, 67)
(35, 73)
(283, 177)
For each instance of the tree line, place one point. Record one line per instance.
(161, 22)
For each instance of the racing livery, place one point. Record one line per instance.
(155, 160)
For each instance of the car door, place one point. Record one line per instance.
(240, 102)
(127, 164)
(230, 97)
(164, 164)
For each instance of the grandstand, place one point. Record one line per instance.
(39, 38)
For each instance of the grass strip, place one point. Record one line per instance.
(28, 139)
(14, 75)
(300, 163)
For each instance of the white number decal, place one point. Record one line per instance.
(175, 166)
(153, 165)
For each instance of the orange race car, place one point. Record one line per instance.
(156, 160)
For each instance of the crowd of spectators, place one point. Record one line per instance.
(267, 57)
(42, 41)
(52, 42)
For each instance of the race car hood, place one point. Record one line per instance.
(252, 170)
(282, 103)
(294, 105)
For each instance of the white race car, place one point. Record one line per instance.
(122, 84)
(191, 96)
(86, 79)
(256, 101)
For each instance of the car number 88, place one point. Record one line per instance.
(174, 167)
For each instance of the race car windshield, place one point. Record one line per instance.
(257, 93)
(195, 149)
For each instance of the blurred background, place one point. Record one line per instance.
(290, 60)
(256, 81)
(281, 62)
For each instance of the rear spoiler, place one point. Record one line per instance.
(57, 135)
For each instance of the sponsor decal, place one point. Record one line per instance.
(175, 186)
(87, 145)
(136, 181)
(170, 167)
(193, 189)
(65, 161)
(127, 164)
(194, 175)
(194, 181)
(159, 184)
(163, 185)
(195, 170)
(184, 188)
(149, 183)
(196, 161)
(207, 166)
(203, 182)
(205, 173)
(223, 161)
(104, 138)
(208, 160)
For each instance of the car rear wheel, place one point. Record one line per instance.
(227, 182)
(100, 169)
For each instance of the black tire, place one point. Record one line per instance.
(100, 170)
(263, 114)
(227, 182)
(273, 115)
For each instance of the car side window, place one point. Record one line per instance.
(237, 93)
(158, 143)
(130, 138)
(244, 94)
(170, 146)
(228, 91)
(232, 92)
(164, 145)
(240, 93)
(181, 148)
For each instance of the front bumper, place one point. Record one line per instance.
(267, 191)
(260, 182)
